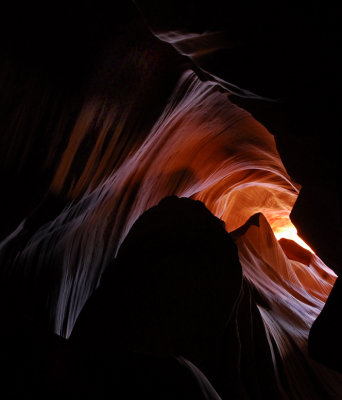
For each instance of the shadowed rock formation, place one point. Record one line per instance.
(289, 289)
(106, 110)
(325, 335)
(171, 292)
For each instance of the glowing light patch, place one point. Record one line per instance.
(289, 231)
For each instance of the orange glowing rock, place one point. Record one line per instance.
(283, 228)
(295, 284)
(295, 251)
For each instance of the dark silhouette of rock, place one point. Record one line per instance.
(325, 335)
(175, 294)
(170, 293)
(52, 55)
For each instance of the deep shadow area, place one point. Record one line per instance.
(170, 293)
(325, 335)
(148, 316)
(172, 318)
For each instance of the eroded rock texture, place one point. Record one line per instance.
(108, 108)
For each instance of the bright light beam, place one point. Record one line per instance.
(289, 231)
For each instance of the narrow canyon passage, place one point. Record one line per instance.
(83, 163)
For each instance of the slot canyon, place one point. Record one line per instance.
(171, 193)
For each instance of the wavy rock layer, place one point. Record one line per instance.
(202, 146)
(147, 126)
